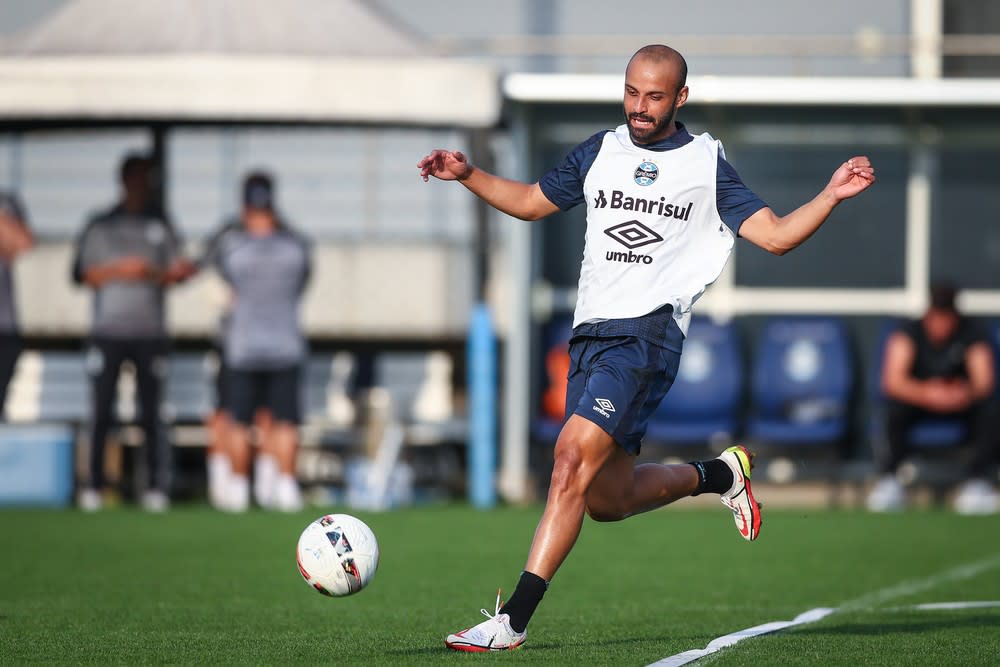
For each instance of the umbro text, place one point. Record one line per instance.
(628, 257)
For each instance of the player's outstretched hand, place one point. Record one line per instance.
(851, 177)
(446, 165)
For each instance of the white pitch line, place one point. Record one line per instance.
(975, 604)
(868, 601)
(914, 586)
(730, 639)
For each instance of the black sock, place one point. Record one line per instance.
(527, 595)
(714, 476)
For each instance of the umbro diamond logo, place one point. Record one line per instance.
(633, 234)
(604, 407)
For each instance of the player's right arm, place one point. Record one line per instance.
(521, 200)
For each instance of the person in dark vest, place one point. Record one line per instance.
(941, 365)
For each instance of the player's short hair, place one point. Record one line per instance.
(131, 163)
(943, 295)
(662, 52)
(258, 190)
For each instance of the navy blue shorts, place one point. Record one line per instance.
(275, 389)
(617, 383)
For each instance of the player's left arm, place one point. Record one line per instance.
(779, 234)
(979, 367)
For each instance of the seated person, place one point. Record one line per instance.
(940, 365)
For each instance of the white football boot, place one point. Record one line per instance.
(739, 498)
(493, 634)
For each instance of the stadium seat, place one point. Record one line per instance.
(803, 378)
(190, 393)
(49, 387)
(329, 406)
(703, 405)
(420, 389)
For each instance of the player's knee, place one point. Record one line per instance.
(604, 513)
(566, 470)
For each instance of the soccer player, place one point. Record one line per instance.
(663, 210)
(267, 266)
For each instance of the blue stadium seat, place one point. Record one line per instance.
(803, 377)
(703, 404)
(929, 433)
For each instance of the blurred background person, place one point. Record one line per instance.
(129, 255)
(267, 267)
(15, 238)
(940, 365)
(218, 462)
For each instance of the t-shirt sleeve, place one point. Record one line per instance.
(173, 243)
(11, 206)
(734, 200)
(86, 253)
(563, 185)
(209, 257)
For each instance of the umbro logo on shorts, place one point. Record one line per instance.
(604, 407)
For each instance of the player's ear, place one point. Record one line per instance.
(682, 96)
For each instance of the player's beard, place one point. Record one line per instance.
(660, 129)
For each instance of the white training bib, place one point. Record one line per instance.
(654, 235)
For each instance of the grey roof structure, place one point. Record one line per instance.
(236, 60)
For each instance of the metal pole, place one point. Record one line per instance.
(516, 394)
(482, 354)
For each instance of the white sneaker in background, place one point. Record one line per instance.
(156, 501)
(977, 496)
(493, 634)
(265, 477)
(287, 495)
(887, 495)
(89, 500)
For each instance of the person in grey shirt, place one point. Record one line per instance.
(15, 238)
(128, 255)
(267, 266)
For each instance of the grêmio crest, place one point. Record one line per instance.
(646, 173)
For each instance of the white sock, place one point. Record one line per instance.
(265, 472)
(238, 493)
(218, 476)
(288, 497)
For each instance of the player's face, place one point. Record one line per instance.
(940, 324)
(652, 98)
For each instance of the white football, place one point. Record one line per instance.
(337, 554)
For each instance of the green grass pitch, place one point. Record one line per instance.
(195, 586)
